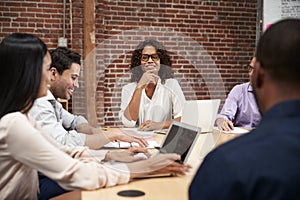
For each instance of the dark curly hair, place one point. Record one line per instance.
(165, 71)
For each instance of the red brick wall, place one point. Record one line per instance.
(44, 19)
(210, 41)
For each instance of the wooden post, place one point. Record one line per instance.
(89, 56)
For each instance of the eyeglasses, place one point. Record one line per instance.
(250, 68)
(145, 57)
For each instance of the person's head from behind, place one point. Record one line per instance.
(25, 63)
(150, 55)
(276, 74)
(64, 72)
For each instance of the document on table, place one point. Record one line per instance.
(236, 130)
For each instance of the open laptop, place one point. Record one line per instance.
(180, 139)
(201, 113)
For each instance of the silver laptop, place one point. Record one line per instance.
(180, 139)
(201, 113)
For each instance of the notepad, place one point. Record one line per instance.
(237, 130)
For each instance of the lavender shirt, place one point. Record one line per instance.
(240, 107)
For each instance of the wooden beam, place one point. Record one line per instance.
(89, 56)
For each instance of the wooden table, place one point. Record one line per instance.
(165, 187)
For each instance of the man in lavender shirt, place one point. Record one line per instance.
(240, 107)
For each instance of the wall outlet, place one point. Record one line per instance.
(62, 42)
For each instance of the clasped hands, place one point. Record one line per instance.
(149, 77)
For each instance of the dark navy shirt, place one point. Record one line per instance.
(263, 164)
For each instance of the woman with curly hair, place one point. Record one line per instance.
(154, 98)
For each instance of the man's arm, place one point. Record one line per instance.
(225, 118)
(43, 112)
(97, 138)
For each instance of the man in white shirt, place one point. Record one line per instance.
(66, 128)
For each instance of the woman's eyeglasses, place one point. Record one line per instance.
(145, 57)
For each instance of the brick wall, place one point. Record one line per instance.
(209, 41)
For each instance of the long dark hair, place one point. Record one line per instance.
(21, 58)
(165, 71)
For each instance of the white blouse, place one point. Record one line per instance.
(25, 150)
(165, 104)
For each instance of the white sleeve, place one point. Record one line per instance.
(43, 112)
(127, 92)
(71, 174)
(230, 106)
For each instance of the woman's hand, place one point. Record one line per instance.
(117, 135)
(147, 78)
(150, 125)
(159, 164)
(127, 155)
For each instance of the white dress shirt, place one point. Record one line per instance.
(58, 122)
(165, 104)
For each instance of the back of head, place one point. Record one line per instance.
(278, 52)
(62, 59)
(21, 58)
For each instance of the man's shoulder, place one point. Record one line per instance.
(41, 105)
(42, 102)
(241, 86)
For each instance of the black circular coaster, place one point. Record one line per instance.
(131, 193)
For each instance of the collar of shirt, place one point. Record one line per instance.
(250, 88)
(50, 96)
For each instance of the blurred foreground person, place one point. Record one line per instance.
(265, 163)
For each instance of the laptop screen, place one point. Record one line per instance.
(179, 139)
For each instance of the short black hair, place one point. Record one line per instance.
(21, 58)
(278, 51)
(62, 58)
(165, 71)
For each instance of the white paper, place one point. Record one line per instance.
(237, 130)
